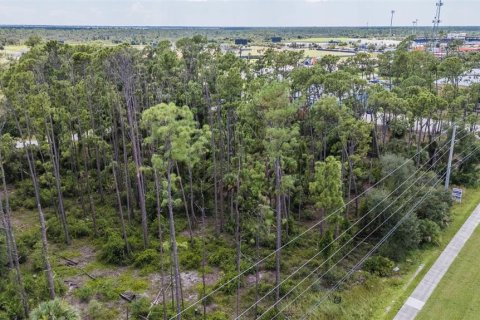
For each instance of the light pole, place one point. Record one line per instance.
(414, 30)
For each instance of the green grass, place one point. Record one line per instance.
(458, 293)
(11, 51)
(460, 213)
(322, 39)
(307, 53)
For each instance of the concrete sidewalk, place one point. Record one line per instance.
(425, 288)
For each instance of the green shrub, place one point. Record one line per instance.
(114, 251)
(399, 127)
(264, 287)
(262, 311)
(229, 286)
(10, 302)
(54, 229)
(47, 196)
(28, 203)
(36, 286)
(3, 256)
(15, 202)
(146, 257)
(208, 298)
(79, 228)
(333, 276)
(109, 288)
(136, 242)
(223, 258)
(218, 315)
(29, 238)
(270, 263)
(102, 289)
(140, 308)
(96, 310)
(436, 207)
(379, 266)
(429, 231)
(85, 293)
(286, 286)
(190, 258)
(54, 309)
(36, 258)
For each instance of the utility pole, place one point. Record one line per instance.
(450, 157)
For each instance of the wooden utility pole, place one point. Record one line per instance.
(450, 157)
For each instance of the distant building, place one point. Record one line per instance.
(459, 36)
(465, 80)
(241, 42)
(276, 39)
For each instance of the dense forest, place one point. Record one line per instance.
(267, 178)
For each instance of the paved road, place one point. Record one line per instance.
(425, 288)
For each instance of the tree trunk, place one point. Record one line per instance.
(160, 238)
(419, 141)
(174, 242)
(185, 204)
(120, 209)
(8, 245)
(192, 200)
(127, 74)
(93, 126)
(278, 209)
(41, 216)
(89, 194)
(12, 241)
(214, 157)
(54, 155)
(126, 173)
(43, 228)
(204, 254)
(257, 258)
(237, 238)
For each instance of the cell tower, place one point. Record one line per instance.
(436, 23)
(391, 23)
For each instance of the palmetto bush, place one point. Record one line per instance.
(54, 310)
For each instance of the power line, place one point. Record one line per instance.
(344, 246)
(304, 232)
(346, 255)
(353, 237)
(345, 231)
(350, 227)
(360, 263)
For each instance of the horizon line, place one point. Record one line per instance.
(220, 26)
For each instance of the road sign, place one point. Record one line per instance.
(457, 194)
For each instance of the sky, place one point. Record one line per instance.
(236, 12)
